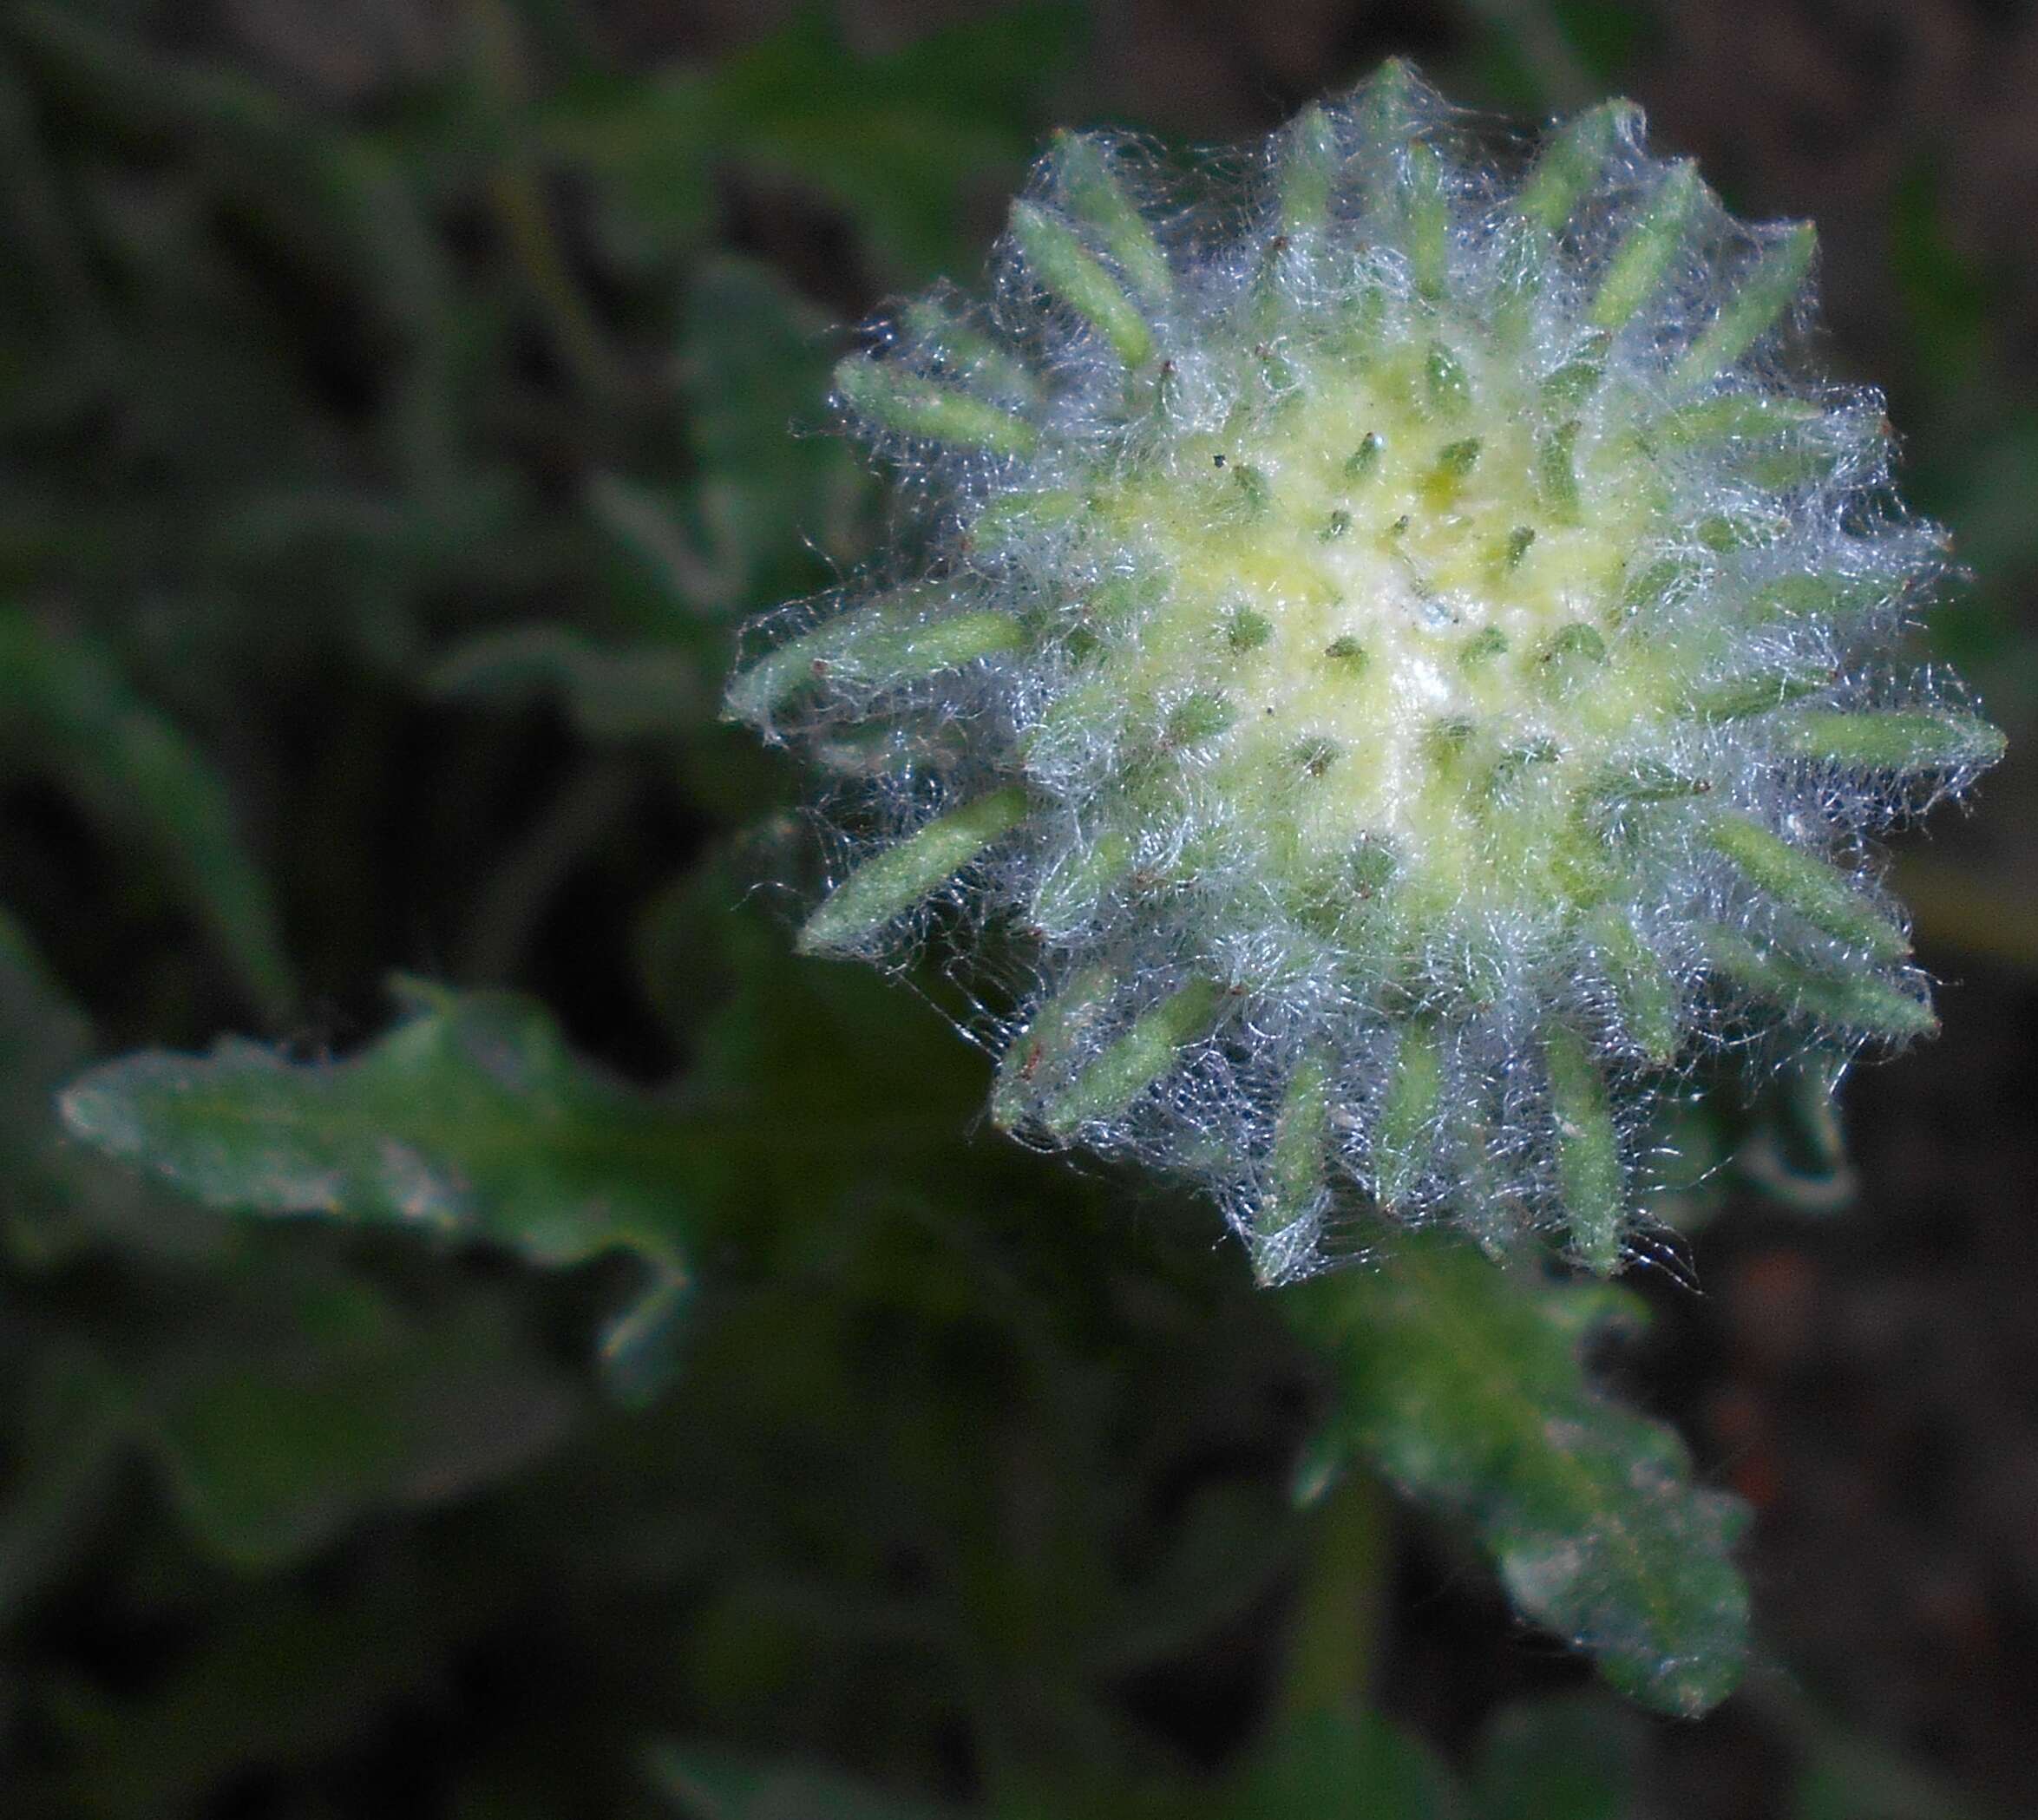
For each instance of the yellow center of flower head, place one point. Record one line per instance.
(1378, 631)
(1405, 649)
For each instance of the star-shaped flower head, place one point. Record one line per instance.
(1398, 633)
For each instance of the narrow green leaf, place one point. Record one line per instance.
(886, 644)
(1804, 883)
(1454, 462)
(1300, 1154)
(1736, 416)
(1857, 999)
(1737, 698)
(1385, 103)
(978, 359)
(1069, 272)
(916, 406)
(1576, 381)
(469, 1119)
(1655, 585)
(1093, 195)
(1146, 1053)
(1446, 381)
(63, 705)
(1901, 740)
(1820, 597)
(1462, 1382)
(1307, 175)
(1590, 1180)
(1760, 298)
(1795, 1148)
(1571, 161)
(1199, 716)
(1427, 224)
(1037, 1059)
(1009, 521)
(1643, 990)
(900, 876)
(1557, 472)
(1402, 1142)
(1641, 261)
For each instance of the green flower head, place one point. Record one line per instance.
(1400, 636)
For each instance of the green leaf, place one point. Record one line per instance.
(1589, 1172)
(1461, 1381)
(64, 708)
(1761, 294)
(470, 1120)
(1146, 1053)
(352, 1405)
(58, 1203)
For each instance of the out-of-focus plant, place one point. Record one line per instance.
(631, 1381)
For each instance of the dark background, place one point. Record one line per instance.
(326, 323)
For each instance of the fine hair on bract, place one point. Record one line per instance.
(1396, 627)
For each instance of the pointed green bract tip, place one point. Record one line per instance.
(922, 408)
(1642, 260)
(1415, 1093)
(892, 881)
(1570, 163)
(1094, 195)
(1308, 170)
(1759, 303)
(1300, 1150)
(1851, 999)
(1899, 740)
(1589, 1176)
(888, 644)
(1069, 272)
(1644, 992)
(1428, 221)
(1146, 1054)
(1805, 884)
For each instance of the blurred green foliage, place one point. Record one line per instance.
(668, 1402)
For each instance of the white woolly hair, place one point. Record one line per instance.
(1390, 811)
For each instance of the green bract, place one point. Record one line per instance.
(1404, 643)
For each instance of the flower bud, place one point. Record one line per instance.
(1402, 638)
